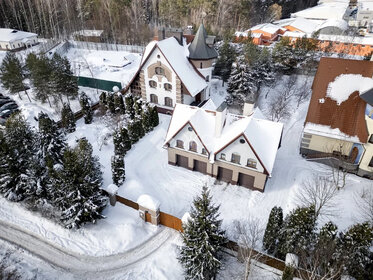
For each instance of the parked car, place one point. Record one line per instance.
(5, 101)
(9, 105)
(4, 115)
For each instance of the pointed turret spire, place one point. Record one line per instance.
(198, 49)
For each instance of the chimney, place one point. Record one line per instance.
(248, 108)
(220, 117)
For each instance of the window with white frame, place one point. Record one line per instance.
(251, 163)
(236, 158)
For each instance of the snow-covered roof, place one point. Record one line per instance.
(344, 85)
(149, 202)
(10, 35)
(240, 34)
(89, 32)
(366, 6)
(326, 10)
(339, 23)
(263, 135)
(305, 25)
(327, 131)
(177, 57)
(267, 27)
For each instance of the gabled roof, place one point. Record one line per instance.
(176, 55)
(347, 118)
(263, 136)
(10, 35)
(199, 49)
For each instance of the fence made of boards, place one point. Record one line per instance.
(97, 83)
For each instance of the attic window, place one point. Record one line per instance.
(190, 128)
(242, 141)
(159, 71)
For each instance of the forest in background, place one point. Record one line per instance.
(134, 21)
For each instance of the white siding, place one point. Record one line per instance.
(243, 150)
(159, 90)
(186, 136)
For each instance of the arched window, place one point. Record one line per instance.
(236, 158)
(152, 84)
(204, 152)
(154, 98)
(180, 144)
(167, 86)
(159, 71)
(168, 101)
(251, 163)
(192, 146)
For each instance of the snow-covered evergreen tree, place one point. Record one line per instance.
(241, 86)
(110, 102)
(203, 239)
(226, 57)
(16, 182)
(135, 130)
(103, 98)
(354, 251)
(67, 118)
(129, 100)
(154, 118)
(138, 106)
(69, 81)
(274, 226)
(298, 231)
(119, 103)
(81, 199)
(40, 75)
(85, 104)
(122, 141)
(146, 116)
(118, 169)
(12, 74)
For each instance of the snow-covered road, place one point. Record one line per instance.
(84, 266)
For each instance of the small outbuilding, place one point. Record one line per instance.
(12, 39)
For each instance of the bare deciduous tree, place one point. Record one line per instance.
(364, 201)
(249, 236)
(321, 193)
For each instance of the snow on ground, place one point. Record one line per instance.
(117, 66)
(122, 230)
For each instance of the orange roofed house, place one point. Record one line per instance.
(339, 122)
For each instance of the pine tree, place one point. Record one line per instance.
(51, 143)
(56, 78)
(138, 106)
(135, 130)
(203, 239)
(69, 81)
(285, 61)
(12, 74)
(241, 86)
(85, 104)
(274, 226)
(80, 198)
(67, 118)
(16, 182)
(40, 76)
(288, 273)
(298, 231)
(31, 61)
(118, 103)
(223, 66)
(117, 169)
(353, 251)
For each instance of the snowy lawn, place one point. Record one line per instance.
(106, 65)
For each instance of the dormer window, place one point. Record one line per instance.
(204, 152)
(222, 156)
(180, 144)
(192, 146)
(159, 71)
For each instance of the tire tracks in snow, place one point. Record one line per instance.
(83, 266)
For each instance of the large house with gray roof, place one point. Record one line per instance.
(171, 71)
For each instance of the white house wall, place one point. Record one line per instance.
(159, 90)
(186, 136)
(18, 43)
(187, 99)
(243, 150)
